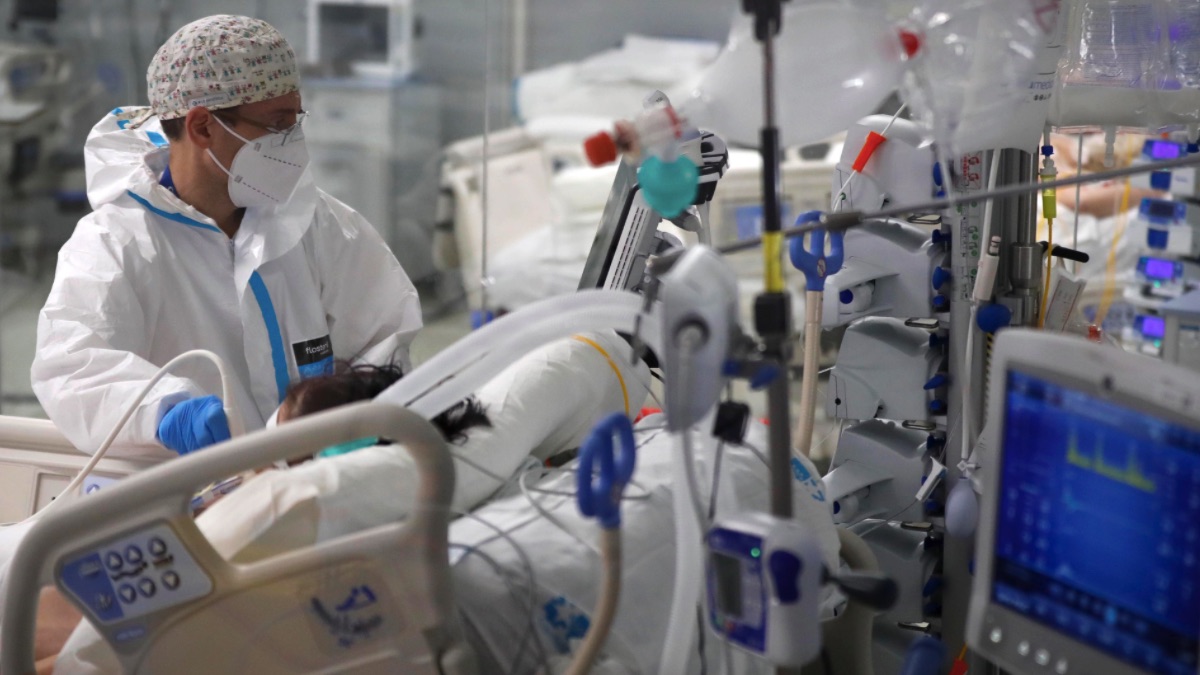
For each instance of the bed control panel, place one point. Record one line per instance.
(134, 576)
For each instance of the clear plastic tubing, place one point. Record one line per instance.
(444, 380)
(689, 553)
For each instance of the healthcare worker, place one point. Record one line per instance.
(208, 233)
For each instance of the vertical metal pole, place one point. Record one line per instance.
(484, 281)
(1020, 255)
(775, 336)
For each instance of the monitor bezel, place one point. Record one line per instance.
(1113, 377)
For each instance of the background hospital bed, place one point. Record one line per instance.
(545, 205)
(37, 462)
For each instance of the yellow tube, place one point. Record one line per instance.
(1049, 264)
(773, 262)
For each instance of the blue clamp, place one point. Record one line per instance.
(599, 496)
(815, 265)
(940, 276)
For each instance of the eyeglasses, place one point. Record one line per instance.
(288, 131)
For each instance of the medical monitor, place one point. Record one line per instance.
(1088, 550)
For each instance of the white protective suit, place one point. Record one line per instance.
(146, 277)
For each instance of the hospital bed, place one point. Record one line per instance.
(259, 578)
(133, 560)
(37, 462)
(545, 202)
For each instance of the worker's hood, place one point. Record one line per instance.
(126, 154)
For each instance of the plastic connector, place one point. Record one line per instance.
(985, 279)
(600, 149)
(874, 140)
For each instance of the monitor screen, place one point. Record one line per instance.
(1098, 525)
(1151, 327)
(729, 584)
(1158, 268)
(1162, 150)
(1161, 208)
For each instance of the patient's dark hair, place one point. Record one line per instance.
(350, 383)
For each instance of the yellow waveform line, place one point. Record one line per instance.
(1131, 474)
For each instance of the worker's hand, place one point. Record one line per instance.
(194, 424)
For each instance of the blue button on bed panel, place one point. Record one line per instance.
(87, 580)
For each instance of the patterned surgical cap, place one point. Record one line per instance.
(220, 62)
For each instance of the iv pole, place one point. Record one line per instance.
(772, 308)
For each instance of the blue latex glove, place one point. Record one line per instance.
(194, 424)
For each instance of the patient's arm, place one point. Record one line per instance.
(1102, 200)
(56, 620)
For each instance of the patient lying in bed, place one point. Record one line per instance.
(539, 407)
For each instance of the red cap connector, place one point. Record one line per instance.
(873, 141)
(600, 149)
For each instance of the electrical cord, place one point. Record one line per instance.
(712, 497)
(886, 521)
(233, 417)
(528, 564)
(1078, 188)
(687, 338)
(512, 592)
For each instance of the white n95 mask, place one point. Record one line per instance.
(266, 171)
